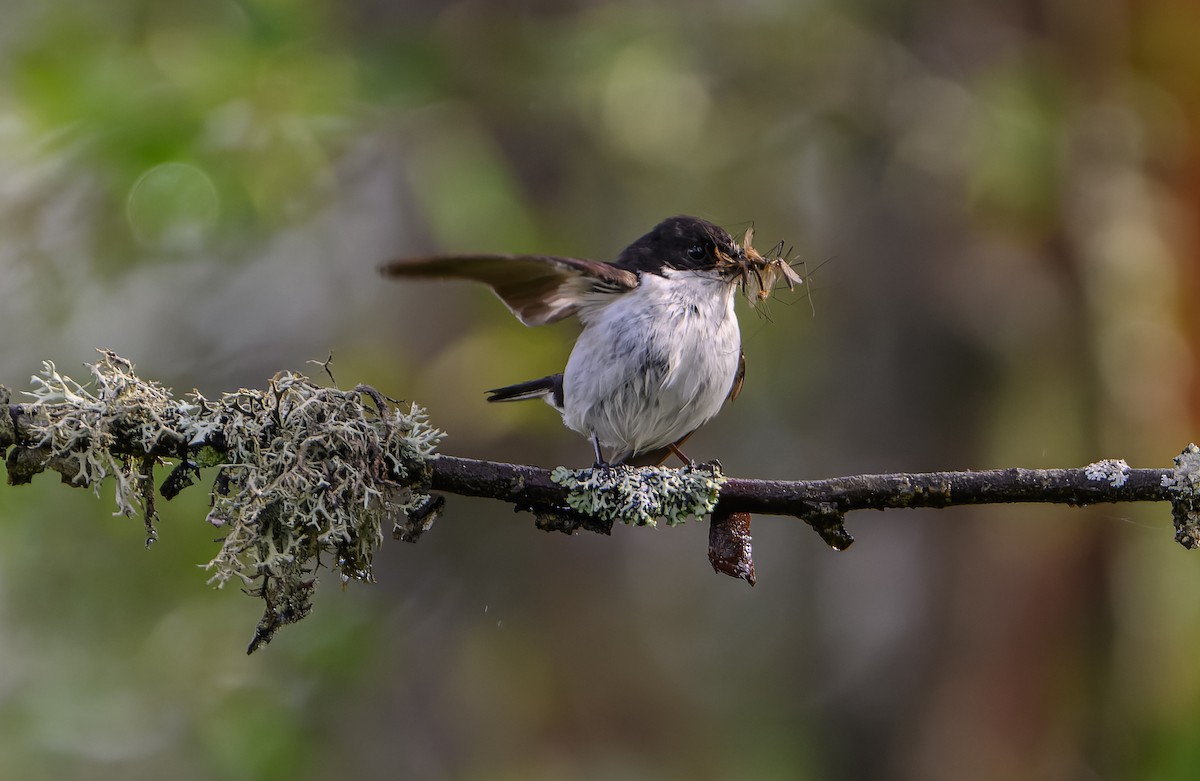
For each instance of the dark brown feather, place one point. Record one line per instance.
(739, 378)
(538, 289)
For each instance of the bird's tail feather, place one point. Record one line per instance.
(549, 388)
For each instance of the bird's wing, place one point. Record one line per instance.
(538, 289)
(739, 378)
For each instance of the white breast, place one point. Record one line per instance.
(653, 364)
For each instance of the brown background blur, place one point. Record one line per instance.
(1002, 200)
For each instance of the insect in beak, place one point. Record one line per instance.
(757, 274)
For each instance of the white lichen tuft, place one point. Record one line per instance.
(1184, 484)
(1186, 475)
(86, 428)
(309, 470)
(306, 475)
(1113, 471)
(641, 496)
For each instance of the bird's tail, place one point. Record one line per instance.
(548, 388)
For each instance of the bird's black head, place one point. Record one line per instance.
(680, 242)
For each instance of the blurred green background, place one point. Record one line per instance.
(1002, 198)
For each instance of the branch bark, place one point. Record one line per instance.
(824, 503)
(307, 477)
(530, 486)
(821, 503)
(527, 486)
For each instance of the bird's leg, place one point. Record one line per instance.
(682, 456)
(600, 462)
(674, 448)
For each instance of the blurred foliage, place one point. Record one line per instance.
(1001, 200)
(200, 121)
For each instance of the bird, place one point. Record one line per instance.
(660, 350)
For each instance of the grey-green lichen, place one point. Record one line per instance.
(305, 476)
(91, 434)
(1184, 484)
(641, 496)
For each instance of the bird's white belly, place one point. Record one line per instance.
(653, 365)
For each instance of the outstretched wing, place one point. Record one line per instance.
(538, 289)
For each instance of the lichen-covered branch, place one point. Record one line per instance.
(530, 485)
(306, 476)
(824, 502)
(303, 476)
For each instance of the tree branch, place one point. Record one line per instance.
(823, 503)
(531, 486)
(305, 474)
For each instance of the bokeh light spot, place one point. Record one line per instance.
(173, 206)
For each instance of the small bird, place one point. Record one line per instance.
(660, 350)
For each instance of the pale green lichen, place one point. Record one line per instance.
(642, 496)
(85, 428)
(328, 469)
(306, 476)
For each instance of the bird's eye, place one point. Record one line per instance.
(697, 252)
